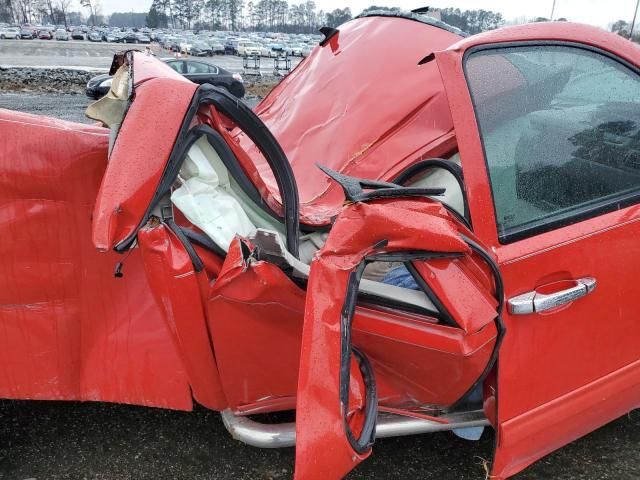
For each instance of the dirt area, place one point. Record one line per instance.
(260, 88)
(44, 80)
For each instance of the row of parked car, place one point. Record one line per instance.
(203, 43)
(59, 32)
(219, 43)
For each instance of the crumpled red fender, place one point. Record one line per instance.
(254, 295)
(178, 290)
(323, 450)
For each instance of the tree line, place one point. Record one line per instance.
(56, 12)
(279, 15)
(237, 15)
(263, 15)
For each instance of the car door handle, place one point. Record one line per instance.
(539, 300)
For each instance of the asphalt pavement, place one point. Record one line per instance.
(82, 54)
(57, 440)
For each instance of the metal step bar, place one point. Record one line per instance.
(278, 435)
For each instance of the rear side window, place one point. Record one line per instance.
(560, 126)
(177, 66)
(197, 67)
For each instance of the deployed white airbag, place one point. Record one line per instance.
(206, 198)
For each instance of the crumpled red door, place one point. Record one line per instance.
(330, 440)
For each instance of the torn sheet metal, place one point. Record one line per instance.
(178, 290)
(255, 301)
(327, 446)
(255, 316)
(138, 158)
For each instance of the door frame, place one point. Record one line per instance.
(525, 438)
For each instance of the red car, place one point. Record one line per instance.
(436, 236)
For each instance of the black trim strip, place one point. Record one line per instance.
(328, 33)
(262, 137)
(198, 265)
(416, 17)
(451, 167)
(367, 436)
(202, 240)
(354, 188)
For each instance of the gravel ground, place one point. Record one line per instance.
(50, 440)
(67, 106)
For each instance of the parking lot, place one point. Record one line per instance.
(82, 54)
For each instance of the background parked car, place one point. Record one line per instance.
(217, 48)
(44, 35)
(201, 49)
(197, 71)
(26, 34)
(276, 49)
(109, 37)
(248, 48)
(94, 36)
(9, 32)
(295, 50)
(128, 37)
(142, 38)
(61, 34)
(77, 34)
(184, 46)
(231, 47)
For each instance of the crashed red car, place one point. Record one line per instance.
(439, 236)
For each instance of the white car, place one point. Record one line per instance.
(248, 48)
(295, 50)
(61, 34)
(9, 32)
(265, 51)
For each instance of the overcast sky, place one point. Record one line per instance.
(595, 12)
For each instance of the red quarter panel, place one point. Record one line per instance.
(69, 330)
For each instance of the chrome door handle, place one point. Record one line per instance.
(533, 301)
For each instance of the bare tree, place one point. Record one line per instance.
(63, 6)
(94, 7)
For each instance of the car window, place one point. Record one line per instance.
(197, 67)
(213, 69)
(560, 127)
(177, 66)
